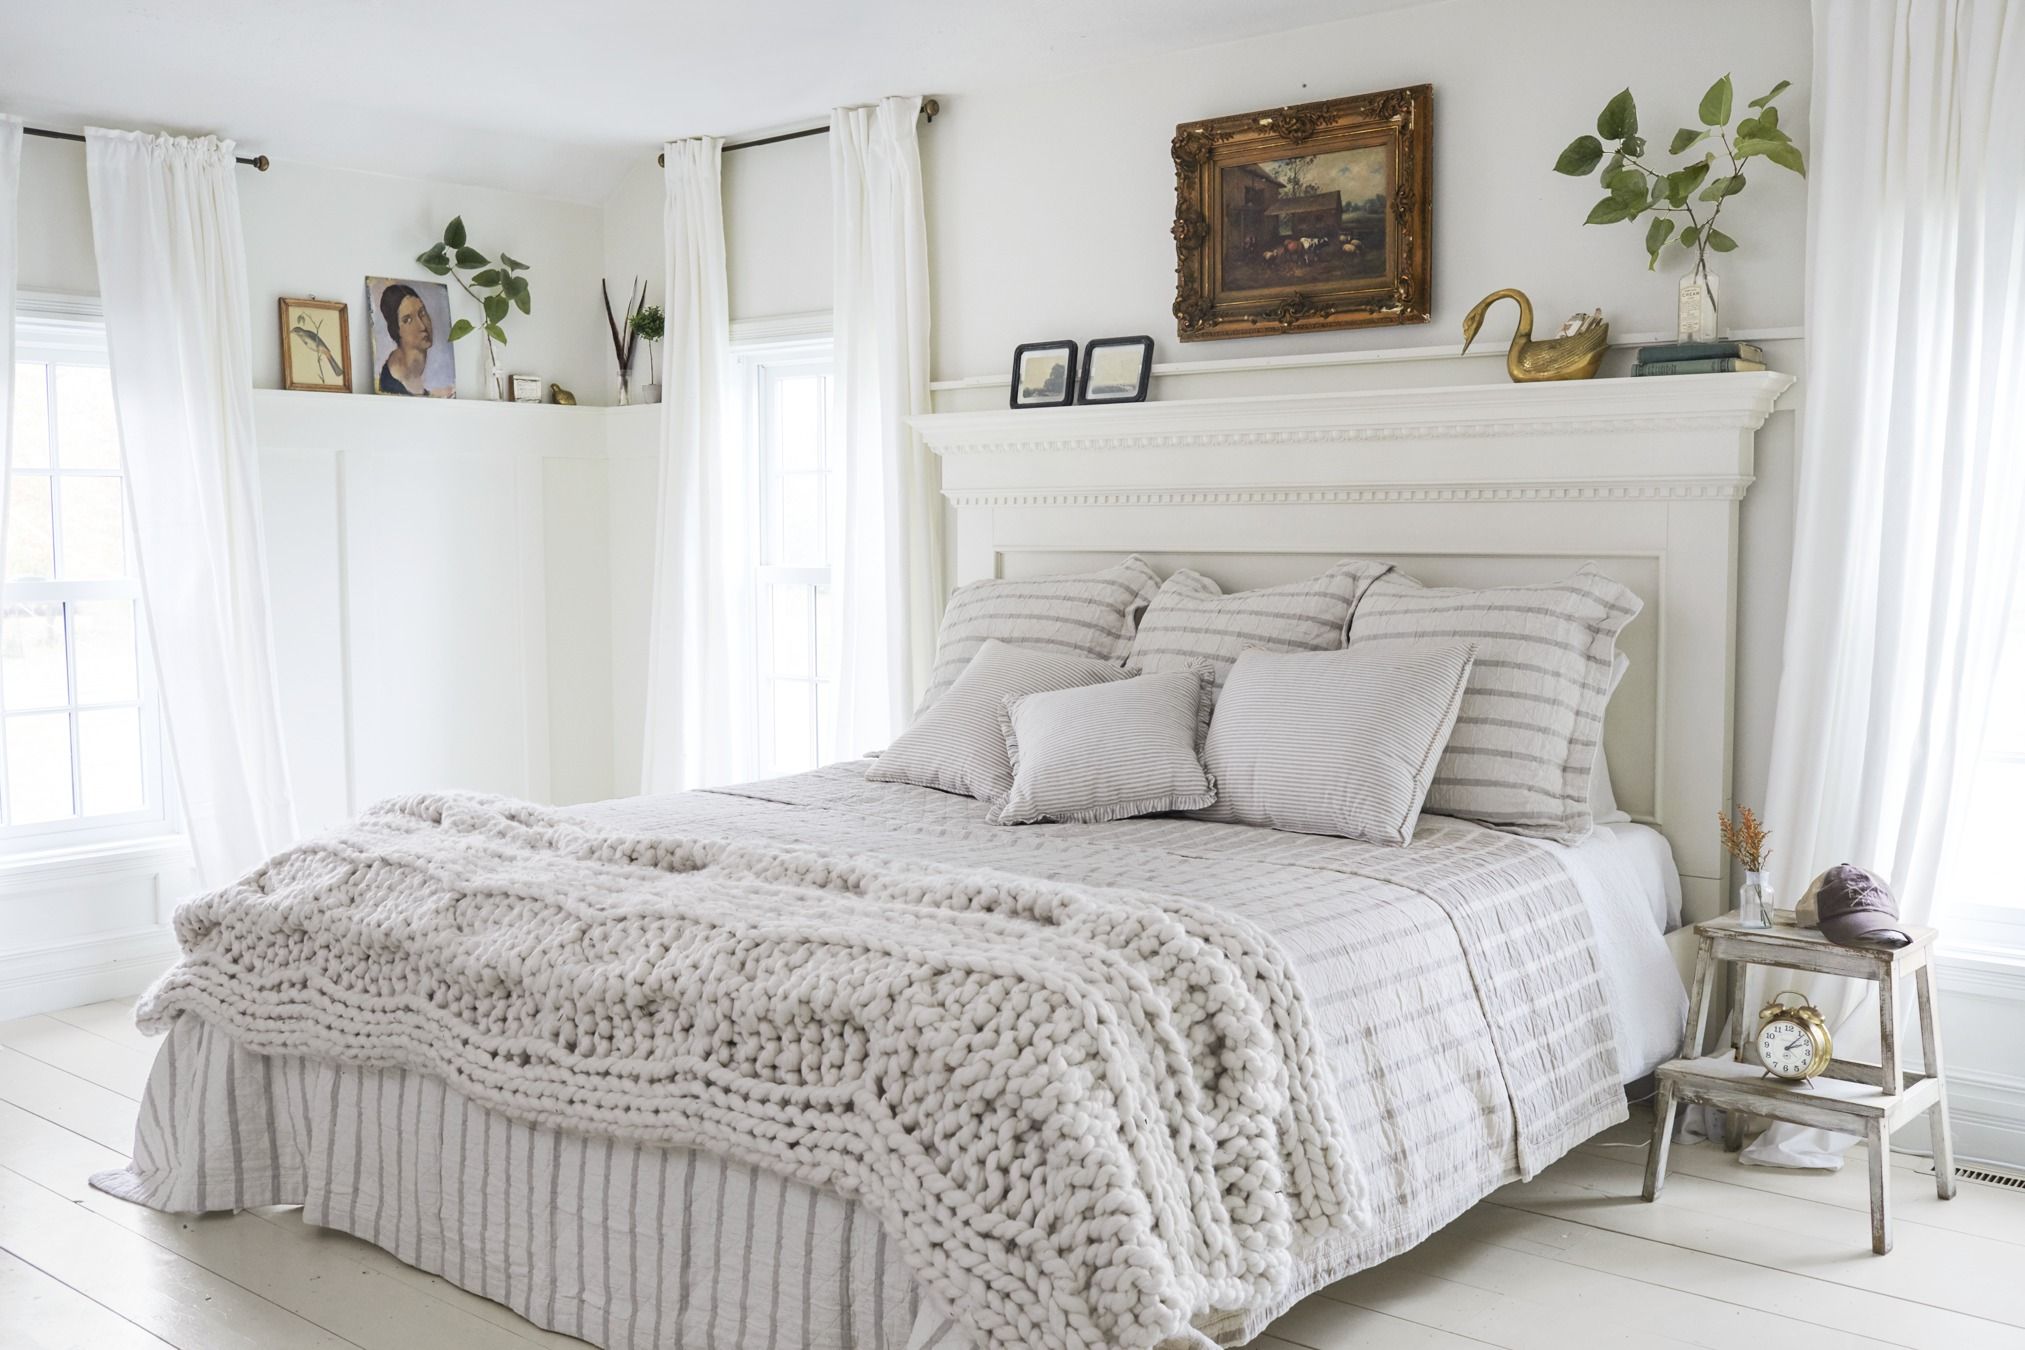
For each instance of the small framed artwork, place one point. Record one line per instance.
(411, 338)
(1044, 375)
(316, 345)
(1117, 370)
(524, 389)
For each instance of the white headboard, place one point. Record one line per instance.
(1476, 484)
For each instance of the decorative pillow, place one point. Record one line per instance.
(1192, 620)
(1524, 748)
(956, 746)
(1108, 751)
(1090, 615)
(1338, 742)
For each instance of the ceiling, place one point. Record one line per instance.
(550, 97)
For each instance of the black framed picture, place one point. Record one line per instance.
(1117, 370)
(1044, 374)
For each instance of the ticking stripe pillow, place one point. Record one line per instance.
(957, 746)
(1092, 615)
(1340, 743)
(1108, 751)
(1192, 620)
(1524, 746)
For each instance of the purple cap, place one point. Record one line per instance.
(1854, 908)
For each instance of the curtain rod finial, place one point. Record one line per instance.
(930, 107)
(260, 162)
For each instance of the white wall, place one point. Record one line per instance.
(320, 232)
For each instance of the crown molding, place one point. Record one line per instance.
(1721, 488)
(1736, 402)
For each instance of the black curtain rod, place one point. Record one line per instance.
(929, 107)
(257, 162)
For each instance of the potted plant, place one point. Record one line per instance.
(649, 325)
(497, 287)
(1670, 196)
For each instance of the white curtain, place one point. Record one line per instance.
(10, 193)
(701, 658)
(1912, 458)
(172, 274)
(890, 569)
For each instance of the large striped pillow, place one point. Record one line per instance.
(1108, 751)
(1340, 742)
(1524, 747)
(1091, 615)
(1192, 621)
(957, 746)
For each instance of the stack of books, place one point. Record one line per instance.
(1698, 358)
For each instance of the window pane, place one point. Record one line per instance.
(31, 416)
(31, 657)
(827, 750)
(86, 436)
(109, 760)
(800, 419)
(94, 546)
(28, 550)
(38, 768)
(794, 726)
(791, 630)
(826, 633)
(102, 635)
(802, 538)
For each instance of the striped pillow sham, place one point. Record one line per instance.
(1108, 751)
(1524, 747)
(1340, 743)
(956, 746)
(1191, 620)
(1090, 615)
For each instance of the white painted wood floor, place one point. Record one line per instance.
(1730, 1256)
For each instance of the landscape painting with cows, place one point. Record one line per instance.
(1303, 218)
(1307, 218)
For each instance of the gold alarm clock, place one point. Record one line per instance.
(1793, 1041)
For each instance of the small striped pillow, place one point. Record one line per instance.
(1091, 614)
(1192, 620)
(1524, 747)
(1339, 743)
(957, 746)
(1108, 751)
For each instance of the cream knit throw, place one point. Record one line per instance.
(1088, 1115)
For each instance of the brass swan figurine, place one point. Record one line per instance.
(1559, 358)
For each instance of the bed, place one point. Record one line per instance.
(1467, 1009)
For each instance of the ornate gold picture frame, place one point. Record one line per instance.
(1303, 219)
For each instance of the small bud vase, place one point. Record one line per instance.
(1696, 315)
(1754, 901)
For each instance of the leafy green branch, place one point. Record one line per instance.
(1669, 196)
(496, 286)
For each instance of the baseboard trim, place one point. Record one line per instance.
(88, 970)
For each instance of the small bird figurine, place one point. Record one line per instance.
(558, 394)
(1559, 358)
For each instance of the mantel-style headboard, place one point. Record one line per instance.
(1476, 484)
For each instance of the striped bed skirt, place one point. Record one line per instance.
(619, 1244)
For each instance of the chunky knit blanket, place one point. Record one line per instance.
(1089, 1114)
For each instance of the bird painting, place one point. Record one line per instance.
(316, 344)
(309, 332)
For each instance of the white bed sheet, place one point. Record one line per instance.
(1631, 887)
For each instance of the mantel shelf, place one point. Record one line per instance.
(1739, 402)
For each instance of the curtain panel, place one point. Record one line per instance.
(890, 571)
(1911, 484)
(701, 727)
(172, 273)
(10, 236)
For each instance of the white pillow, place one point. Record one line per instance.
(1340, 743)
(1602, 794)
(1092, 614)
(1191, 620)
(1108, 751)
(956, 746)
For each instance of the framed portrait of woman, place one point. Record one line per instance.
(410, 322)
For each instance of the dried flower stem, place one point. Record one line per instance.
(1744, 839)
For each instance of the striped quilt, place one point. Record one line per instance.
(1453, 987)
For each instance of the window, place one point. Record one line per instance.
(80, 742)
(1984, 904)
(789, 415)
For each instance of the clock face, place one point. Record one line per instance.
(1785, 1048)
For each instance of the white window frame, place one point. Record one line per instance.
(70, 330)
(762, 351)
